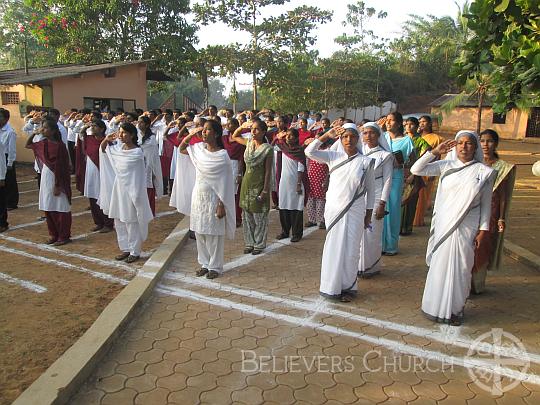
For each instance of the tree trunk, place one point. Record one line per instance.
(479, 114)
(254, 90)
(254, 34)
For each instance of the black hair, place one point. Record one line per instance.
(429, 121)
(319, 116)
(212, 106)
(97, 115)
(234, 121)
(100, 124)
(133, 115)
(131, 129)
(139, 111)
(325, 120)
(4, 113)
(364, 121)
(52, 124)
(148, 133)
(399, 118)
(168, 111)
(218, 129)
(262, 124)
(347, 121)
(73, 110)
(190, 114)
(494, 135)
(54, 112)
(193, 110)
(294, 133)
(414, 120)
(85, 111)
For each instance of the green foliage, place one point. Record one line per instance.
(274, 40)
(503, 52)
(93, 31)
(358, 15)
(14, 32)
(190, 87)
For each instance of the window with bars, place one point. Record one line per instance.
(10, 97)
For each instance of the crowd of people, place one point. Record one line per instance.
(367, 184)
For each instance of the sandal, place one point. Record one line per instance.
(201, 272)
(122, 256)
(131, 259)
(248, 250)
(51, 241)
(212, 274)
(282, 236)
(256, 252)
(62, 242)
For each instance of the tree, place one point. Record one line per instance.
(502, 56)
(16, 37)
(94, 31)
(357, 17)
(273, 39)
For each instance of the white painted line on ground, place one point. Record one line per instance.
(23, 283)
(52, 249)
(246, 259)
(37, 203)
(84, 235)
(20, 226)
(166, 213)
(177, 233)
(437, 335)
(398, 347)
(27, 181)
(28, 191)
(70, 266)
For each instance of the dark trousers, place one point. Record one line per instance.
(12, 189)
(71, 151)
(100, 219)
(292, 220)
(59, 225)
(165, 185)
(152, 199)
(3, 208)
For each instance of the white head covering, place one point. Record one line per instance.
(349, 126)
(383, 143)
(478, 154)
(536, 169)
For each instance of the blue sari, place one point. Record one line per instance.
(392, 221)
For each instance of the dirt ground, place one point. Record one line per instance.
(37, 328)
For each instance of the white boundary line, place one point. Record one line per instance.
(23, 283)
(26, 181)
(246, 259)
(28, 191)
(20, 226)
(436, 335)
(374, 340)
(166, 213)
(61, 252)
(59, 263)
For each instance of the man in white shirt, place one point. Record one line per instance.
(3, 208)
(8, 138)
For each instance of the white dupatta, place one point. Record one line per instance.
(216, 170)
(127, 168)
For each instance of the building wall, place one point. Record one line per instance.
(465, 118)
(128, 83)
(33, 95)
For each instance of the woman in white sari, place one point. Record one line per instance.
(347, 211)
(376, 147)
(461, 215)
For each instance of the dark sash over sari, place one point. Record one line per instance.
(297, 154)
(55, 156)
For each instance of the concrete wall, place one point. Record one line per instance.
(129, 83)
(371, 112)
(465, 118)
(33, 95)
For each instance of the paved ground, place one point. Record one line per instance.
(50, 296)
(261, 334)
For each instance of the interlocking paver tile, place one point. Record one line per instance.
(113, 383)
(158, 334)
(173, 382)
(204, 381)
(265, 381)
(126, 396)
(341, 392)
(533, 399)
(405, 377)
(190, 368)
(400, 390)
(481, 401)
(151, 356)
(220, 367)
(91, 397)
(143, 383)
(161, 369)
(429, 389)
(371, 391)
(133, 369)
(456, 389)
(235, 380)
(510, 400)
(312, 394)
(178, 356)
(281, 394)
(380, 377)
(423, 401)
(219, 395)
(106, 369)
(249, 395)
(189, 395)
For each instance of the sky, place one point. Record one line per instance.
(390, 27)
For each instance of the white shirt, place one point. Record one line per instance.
(8, 138)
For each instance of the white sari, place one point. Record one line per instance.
(344, 214)
(154, 178)
(462, 208)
